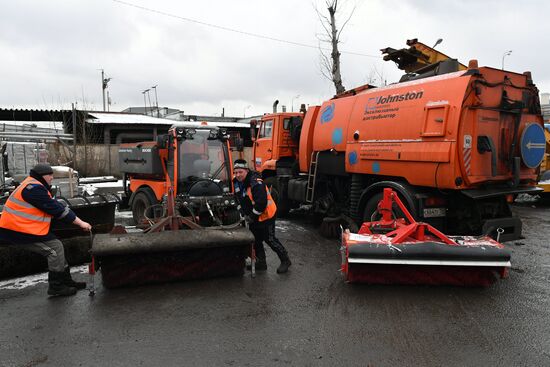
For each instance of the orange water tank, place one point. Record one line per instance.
(456, 130)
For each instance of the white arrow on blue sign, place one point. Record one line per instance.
(532, 145)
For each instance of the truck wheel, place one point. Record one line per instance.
(142, 200)
(370, 213)
(283, 206)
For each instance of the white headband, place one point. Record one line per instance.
(241, 165)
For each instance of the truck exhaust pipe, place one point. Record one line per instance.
(275, 105)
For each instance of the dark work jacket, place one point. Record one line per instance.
(259, 193)
(37, 196)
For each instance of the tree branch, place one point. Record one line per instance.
(346, 22)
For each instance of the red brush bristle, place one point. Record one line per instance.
(120, 271)
(470, 276)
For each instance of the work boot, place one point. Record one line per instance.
(285, 264)
(261, 264)
(57, 286)
(68, 280)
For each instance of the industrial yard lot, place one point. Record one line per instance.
(308, 317)
(164, 146)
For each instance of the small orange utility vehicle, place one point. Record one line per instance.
(182, 196)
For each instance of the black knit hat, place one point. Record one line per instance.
(240, 163)
(43, 169)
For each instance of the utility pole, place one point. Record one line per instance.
(145, 100)
(292, 102)
(104, 85)
(156, 100)
(150, 105)
(507, 53)
(74, 136)
(85, 140)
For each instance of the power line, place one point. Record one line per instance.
(256, 35)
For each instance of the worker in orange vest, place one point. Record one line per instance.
(26, 222)
(260, 211)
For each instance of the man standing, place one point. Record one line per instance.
(26, 220)
(259, 209)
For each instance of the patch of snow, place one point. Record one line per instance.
(32, 280)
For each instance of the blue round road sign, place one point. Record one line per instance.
(533, 145)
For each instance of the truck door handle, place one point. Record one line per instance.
(269, 150)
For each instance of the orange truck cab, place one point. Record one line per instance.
(274, 142)
(456, 147)
(194, 162)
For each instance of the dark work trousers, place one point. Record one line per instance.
(265, 232)
(52, 250)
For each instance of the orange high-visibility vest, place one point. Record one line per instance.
(270, 209)
(18, 215)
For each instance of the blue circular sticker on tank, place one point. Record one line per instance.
(533, 145)
(327, 114)
(337, 136)
(352, 157)
(375, 167)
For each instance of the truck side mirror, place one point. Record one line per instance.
(253, 129)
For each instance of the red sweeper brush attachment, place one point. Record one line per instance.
(403, 251)
(173, 248)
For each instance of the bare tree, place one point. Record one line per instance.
(330, 66)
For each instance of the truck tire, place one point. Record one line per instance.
(283, 206)
(372, 205)
(143, 199)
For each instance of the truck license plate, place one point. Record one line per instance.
(434, 212)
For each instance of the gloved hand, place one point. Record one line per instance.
(251, 218)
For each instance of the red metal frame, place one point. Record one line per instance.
(172, 221)
(401, 229)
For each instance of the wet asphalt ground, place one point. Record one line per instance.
(308, 317)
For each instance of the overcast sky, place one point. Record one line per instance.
(51, 51)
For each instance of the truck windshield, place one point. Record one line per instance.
(201, 158)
